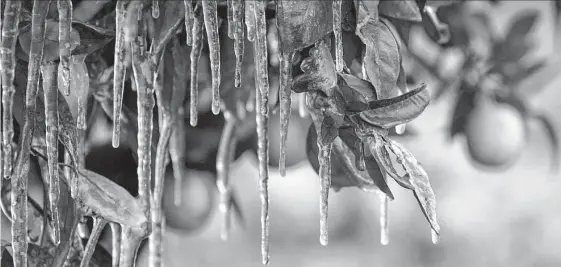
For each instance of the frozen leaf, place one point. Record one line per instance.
(304, 23)
(92, 38)
(51, 48)
(391, 112)
(319, 72)
(553, 138)
(102, 197)
(404, 9)
(366, 11)
(382, 58)
(416, 180)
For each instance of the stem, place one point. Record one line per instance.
(98, 226)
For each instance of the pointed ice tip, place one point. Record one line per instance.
(384, 241)
(115, 142)
(400, 129)
(224, 235)
(265, 260)
(435, 236)
(323, 240)
(215, 109)
(282, 170)
(193, 122)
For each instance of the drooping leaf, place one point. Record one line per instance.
(391, 112)
(103, 197)
(465, 103)
(404, 10)
(417, 180)
(381, 59)
(553, 135)
(305, 22)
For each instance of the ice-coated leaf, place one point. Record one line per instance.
(172, 14)
(92, 38)
(416, 179)
(553, 134)
(102, 197)
(522, 26)
(319, 72)
(465, 103)
(403, 9)
(344, 173)
(390, 112)
(381, 59)
(51, 47)
(366, 11)
(304, 23)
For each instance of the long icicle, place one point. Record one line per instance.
(196, 49)
(1, 152)
(50, 92)
(285, 92)
(238, 17)
(262, 117)
(177, 150)
(223, 161)
(189, 17)
(19, 181)
(210, 16)
(64, 28)
(324, 159)
(115, 243)
(98, 226)
(10, 31)
(384, 230)
(336, 4)
(119, 69)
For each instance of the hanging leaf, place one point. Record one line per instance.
(416, 180)
(382, 58)
(552, 133)
(391, 112)
(465, 103)
(102, 197)
(304, 23)
(404, 10)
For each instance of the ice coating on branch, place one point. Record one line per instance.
(196, 49)
(64, 27)
(19, 181)
(238, 15)
(336, 4)
(189, 17)
(49, 72)
(10, 31)
(285, 92)
(119, 69)
(224, 158)
(210, 16)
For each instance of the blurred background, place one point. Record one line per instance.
(508, 217)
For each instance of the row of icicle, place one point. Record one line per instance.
(241, 14)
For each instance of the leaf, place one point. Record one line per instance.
(170, 18)
(416, 180)
(102, 197)
(404, 10)
(391, 112)
(523, 72)
(355, 85)
(521, 27)
(7, 260)
(510, 53)
(319, 72)
(344, 173)
(465, 103)
(92, 38)
(552, 133)
(366, 11)
(381, 59)
(304, 23)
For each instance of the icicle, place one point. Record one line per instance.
(50, 90)
(324, 158)
(262, 118)
(238, 17)
(177, 154)
(302, 109)
(434, 236)
(64, 28)
(195, 56)
(98, 226)
(20, 181)
(223, 161)
(336, 4)
(210, 17)
(10, 31)
(155, 9)
(189, 17)
(119, 69)
(360, 163)
(130, 242)
(384, 231)
(230, 11)
(285, 99)
(250, 19)
(115, 243)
